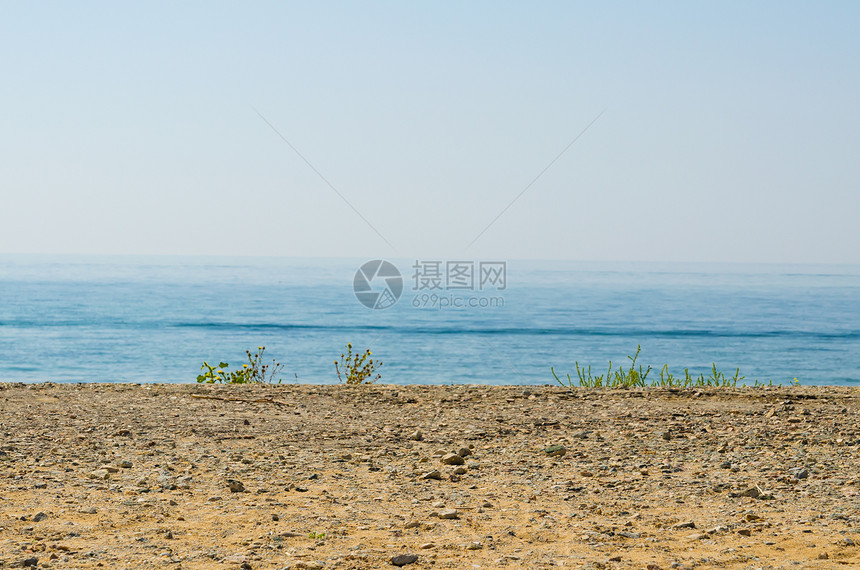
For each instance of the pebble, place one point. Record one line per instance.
(688, 524)
(417, 436)
(753, 492)
(799, 472)
(464, 452)
(40, 516)
(435, 474)
(166, 481)
(404, 559)
(452, 459)
(449, 514)
(555, 450)
(235, 486)
(101, 474)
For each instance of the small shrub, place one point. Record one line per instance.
(357, 368)
(254, 372)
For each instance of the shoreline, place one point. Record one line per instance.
(334, 476)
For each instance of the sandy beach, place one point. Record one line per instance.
(304, 476)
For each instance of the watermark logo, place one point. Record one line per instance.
(453, 275)
(436, 283)
(377, 284)
(443, 284)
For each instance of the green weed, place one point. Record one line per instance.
(637, 377)
(358, 368)
(716, 378)
(254, 372)
(620, 378)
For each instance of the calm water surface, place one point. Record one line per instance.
(135, 319)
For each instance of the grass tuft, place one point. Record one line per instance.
(637, 377)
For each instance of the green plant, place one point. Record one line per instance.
(716, 378)
(316, 535)
(254, 372)
(619, 379)
(357, 368)
(637, 377)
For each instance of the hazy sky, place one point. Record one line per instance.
(731, 130)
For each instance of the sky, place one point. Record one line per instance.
(700, 131)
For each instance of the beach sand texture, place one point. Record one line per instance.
(304, 476)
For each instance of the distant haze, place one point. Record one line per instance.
(730, 130)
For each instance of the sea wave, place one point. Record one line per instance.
(448, 329)
(532, 331)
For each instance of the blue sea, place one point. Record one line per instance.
(156, 319)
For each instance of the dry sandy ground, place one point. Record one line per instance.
(171, 476)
